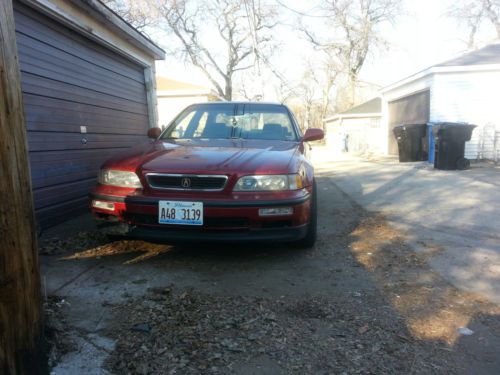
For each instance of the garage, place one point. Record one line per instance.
(83, 102)
(356, 130)
(411, 109)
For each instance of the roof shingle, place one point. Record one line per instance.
(371, 106)
(487, 55)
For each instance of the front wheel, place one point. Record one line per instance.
(310, 239)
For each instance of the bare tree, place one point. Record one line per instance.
(474, 13)
(242, 31)
(305, 98)
(353, 32)
(308, 90)
(141, 14)
(331, 71)
(283, 92)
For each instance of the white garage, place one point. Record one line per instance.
(463, 89)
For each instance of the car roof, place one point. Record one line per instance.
(241, 102)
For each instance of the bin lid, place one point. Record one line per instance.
(399, 129)
(410, 126)
(452, 128)
(415, 125)
(445, 125)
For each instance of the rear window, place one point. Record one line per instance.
(227, 121)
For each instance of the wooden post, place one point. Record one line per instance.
(21, 333)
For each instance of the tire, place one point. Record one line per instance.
(463, 164)
(310, 239)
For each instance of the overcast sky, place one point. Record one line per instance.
(419, 39)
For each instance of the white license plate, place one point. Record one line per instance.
(181, 213)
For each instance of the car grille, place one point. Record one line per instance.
(186, 182)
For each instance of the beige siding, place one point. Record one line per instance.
(170, 107)
(364, 135)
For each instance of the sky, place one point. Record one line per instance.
(422, 37)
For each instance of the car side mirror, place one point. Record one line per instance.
(313, 134)
(154, 132)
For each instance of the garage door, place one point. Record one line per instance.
(82, 103)
(412, 109)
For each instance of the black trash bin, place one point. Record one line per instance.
(450, 141)
(412, 145)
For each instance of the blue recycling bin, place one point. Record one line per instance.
(431, 143)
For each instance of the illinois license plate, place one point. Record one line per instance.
(182, 213)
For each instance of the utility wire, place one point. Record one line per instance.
(250, 10)
(280, 76)
(252, 23)
(303, 14)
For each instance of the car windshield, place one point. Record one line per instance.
(230, 120)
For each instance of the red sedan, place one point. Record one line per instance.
(220, 171)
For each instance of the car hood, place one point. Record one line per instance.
(210, 156)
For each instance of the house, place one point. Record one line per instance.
(173, 96)
(462, 89)
(458, 90)
(359, 126)
(88, 90)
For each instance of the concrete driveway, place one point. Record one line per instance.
(453, 215)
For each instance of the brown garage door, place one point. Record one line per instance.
(70, 82)
(412, 109)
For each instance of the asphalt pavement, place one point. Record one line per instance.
(453, 214)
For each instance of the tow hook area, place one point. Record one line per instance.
(110, 226)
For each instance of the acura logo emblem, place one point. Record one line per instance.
(186, 182)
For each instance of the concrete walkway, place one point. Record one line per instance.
(452, 215)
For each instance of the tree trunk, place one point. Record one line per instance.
(325, 103)
(307, 116)
(228, 92)
(352, 89)
(21, 335)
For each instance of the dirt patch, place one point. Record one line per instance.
(185, 332)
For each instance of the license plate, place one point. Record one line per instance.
(181, 213)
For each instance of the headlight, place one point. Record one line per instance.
(119, 178)
(269, 183)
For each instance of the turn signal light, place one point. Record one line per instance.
(110, 206)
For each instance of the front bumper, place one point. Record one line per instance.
(176, 236)
(224, 220)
